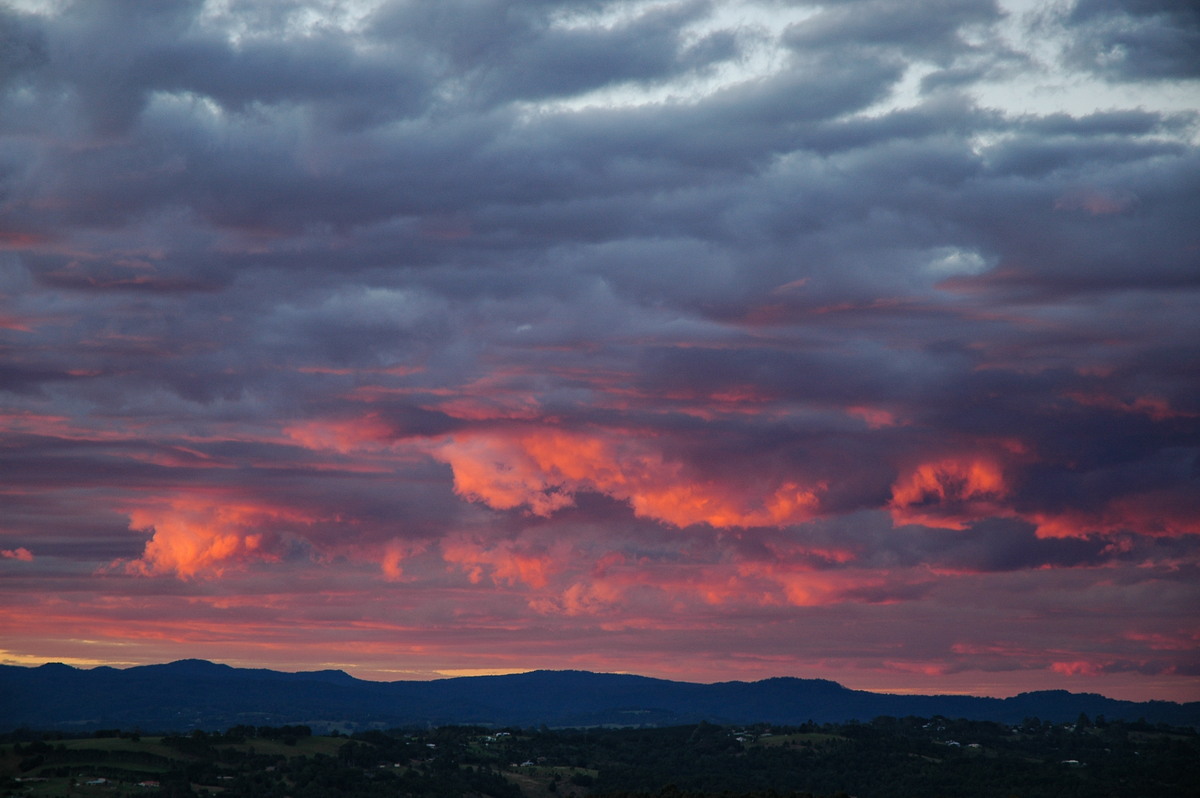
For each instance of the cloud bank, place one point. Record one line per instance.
(706, 340)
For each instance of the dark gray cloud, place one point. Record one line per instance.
(935, 31)
(1136, 39)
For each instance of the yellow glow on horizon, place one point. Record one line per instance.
(917, 691)
(456, 672)
(37, 660)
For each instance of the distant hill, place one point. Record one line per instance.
(196, 694)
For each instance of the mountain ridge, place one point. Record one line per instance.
(192, 694)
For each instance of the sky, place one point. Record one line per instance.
(701, 339)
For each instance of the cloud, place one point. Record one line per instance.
(395, 552)
(201, 536)
(542, 470)
(21, 553)
(746, 338)
(949, 493)
(504, 563)
(1143, 40)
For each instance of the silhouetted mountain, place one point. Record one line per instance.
(197, 694)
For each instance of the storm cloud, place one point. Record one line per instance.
(700, 339)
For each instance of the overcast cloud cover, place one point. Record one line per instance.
(703, 339)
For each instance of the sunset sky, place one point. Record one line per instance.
(699, 339)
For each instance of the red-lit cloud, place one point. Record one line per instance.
(502, 563)
(950, 493)
(203, 535)
(1152, 513)
(395, 552)
(1155, 407)
(546, 341)
(344, 435)
(543, 469)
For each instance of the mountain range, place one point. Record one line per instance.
(196, 694)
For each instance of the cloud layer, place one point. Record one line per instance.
(700, 339)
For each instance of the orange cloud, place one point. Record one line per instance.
(23, 554)
(612, 584)
(1152, 513)
(597, 597)
(614, 579)
(505, 562)
(342, 435)
(204, 535)
(953, 492)
(501, 473)
(1076, 668)
(949, 493)
(543, 469)
(800, 587)
(755, 583)
(874, 417)
(394, 554)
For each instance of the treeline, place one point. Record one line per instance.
(285, 733)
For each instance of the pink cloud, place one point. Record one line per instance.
(1076, 668)
(23, 554)
(1154, 407)
(395, 552)
(202, 535)
(874, 417)
(541, 469)
(505, 562)
(1157, 513)
(950, 492)
(342, 435)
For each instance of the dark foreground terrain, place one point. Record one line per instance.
(885, 758)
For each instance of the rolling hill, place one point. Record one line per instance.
(196, 694)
